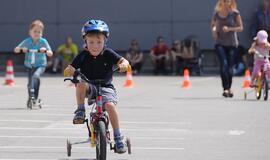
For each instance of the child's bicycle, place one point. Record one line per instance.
(31, 101)
(261, 83)
(98, 122)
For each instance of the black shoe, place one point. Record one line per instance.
(79, 116)
(230, 94)
(225, 94)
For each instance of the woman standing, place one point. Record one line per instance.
(225, 24)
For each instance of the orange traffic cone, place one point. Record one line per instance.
(186, 83)
(246, 83)
(9, 74)
(129, 81)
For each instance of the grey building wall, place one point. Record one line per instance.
(128, 19)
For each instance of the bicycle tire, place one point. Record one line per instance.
(258, 88)
(68, 148)
(128, 145)
(265, 91)
(30, 104)
(101, 147)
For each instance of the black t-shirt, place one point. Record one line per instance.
(99, 67)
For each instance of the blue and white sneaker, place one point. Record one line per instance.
(79, 116)
(120, 145)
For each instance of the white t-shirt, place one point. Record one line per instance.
(262, 52)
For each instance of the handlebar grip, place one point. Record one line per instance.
(32, 50)
(129, 68)
(66, 73)
(42, 52)
(116, 69)
(67, 79)
(21, 50)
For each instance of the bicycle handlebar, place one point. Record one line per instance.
(77, 73)
(261, 56)
(33, 51)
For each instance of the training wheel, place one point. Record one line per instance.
(128, 145)
(29, 104)
(68, 148)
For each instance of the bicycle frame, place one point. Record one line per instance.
(97, 114)
(261, 82)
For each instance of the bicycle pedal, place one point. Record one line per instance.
(78, 121)
(112, 147)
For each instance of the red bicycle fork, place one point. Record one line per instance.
(99, 104)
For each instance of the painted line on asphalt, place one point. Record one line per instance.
(49, 147)
(177, 123)
(66, 137)
(26, 159)
(34, 114)
(236, 132)
(197, 80)
(123, 129)
(69, 122)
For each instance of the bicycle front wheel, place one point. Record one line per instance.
(101, 147)
(258, 88)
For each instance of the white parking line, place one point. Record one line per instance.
(48, 147)
(25, 159)
(35, 114)
(31, 121)
(156, 148)
(236, 132)
(123, 129)
(175, 123)
(197, 80)
(69, 122)
(65, 137)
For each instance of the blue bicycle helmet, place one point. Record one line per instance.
(95, 26)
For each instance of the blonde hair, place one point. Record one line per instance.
(218, 7)
(36, 23)
(95, 34)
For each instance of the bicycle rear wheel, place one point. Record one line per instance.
(30, 103)
(265, 89)
(101, 147)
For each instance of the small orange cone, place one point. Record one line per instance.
(9, 74)
(186, 83)
(246, 83)
(129, 81)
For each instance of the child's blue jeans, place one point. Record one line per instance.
(34, 80)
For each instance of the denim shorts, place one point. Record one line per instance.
(108, 94)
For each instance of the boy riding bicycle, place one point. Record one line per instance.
(260, 47)
(35, 64)
(96, 62)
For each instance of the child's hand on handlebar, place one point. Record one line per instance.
(24, 50)
(17, 50)
(43, 50)
(69, 71)
(123, 65)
